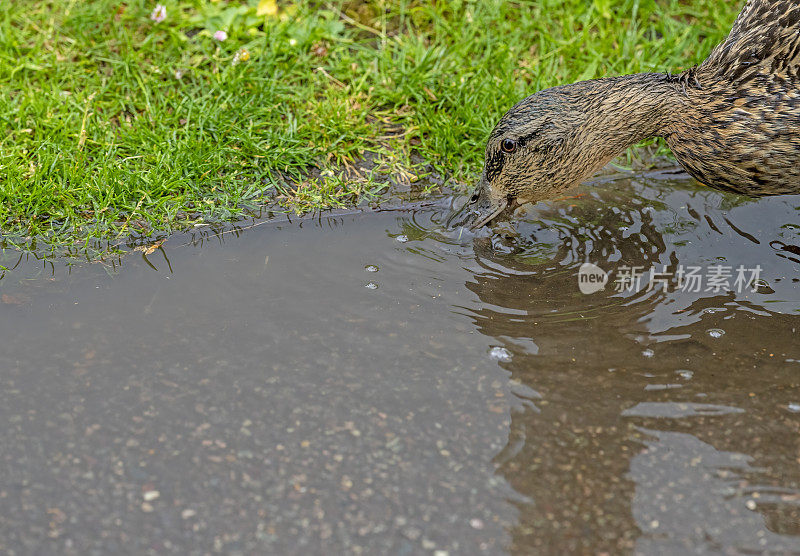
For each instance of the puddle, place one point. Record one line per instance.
(371, 383)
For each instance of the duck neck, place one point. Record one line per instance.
(623, 111)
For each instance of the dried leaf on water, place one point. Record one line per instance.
(148, 249)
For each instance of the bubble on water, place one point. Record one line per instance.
(500, 354)
(715, 332)
(684, 374)
(648, 353)
(371, 286)
(402, 238)
(712, 310)
(653, 387)
(794, 407)
(371, 268)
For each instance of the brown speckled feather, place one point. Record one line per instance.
(740, 129)
(764, 42)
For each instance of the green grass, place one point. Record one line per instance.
(111, 123)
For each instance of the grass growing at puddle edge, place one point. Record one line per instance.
(118, 121)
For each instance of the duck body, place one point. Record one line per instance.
(733, 122)
(739, 126)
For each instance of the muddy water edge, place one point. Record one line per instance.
(372, 383)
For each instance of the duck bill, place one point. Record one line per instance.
(480, 212)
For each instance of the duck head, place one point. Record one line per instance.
(544, 145)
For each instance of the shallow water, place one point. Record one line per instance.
(373, 383)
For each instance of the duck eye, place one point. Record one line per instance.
(508, 145)
(474, 198)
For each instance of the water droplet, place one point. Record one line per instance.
(371, 268)
(151, 495)
(684, 374)
(371, 286)
(794, 407)
(402, 238)
(715, 332)
(648, 353)
(500, 354)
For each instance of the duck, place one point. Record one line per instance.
(732, 122)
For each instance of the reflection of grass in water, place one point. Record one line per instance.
(113, 123)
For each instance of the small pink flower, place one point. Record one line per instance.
(159, 13)
(220, 35)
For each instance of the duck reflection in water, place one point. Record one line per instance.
(629, 405)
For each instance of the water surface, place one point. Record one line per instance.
(371, 383)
